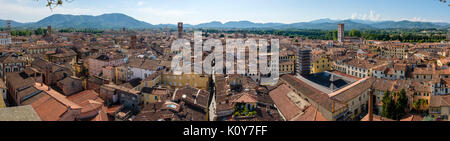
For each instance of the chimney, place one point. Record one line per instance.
(370, 104)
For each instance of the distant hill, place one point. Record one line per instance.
(105, 21)
(13, 23)
(407, 24)
(117, 21)
(327, 25)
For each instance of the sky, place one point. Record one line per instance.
(261, 11)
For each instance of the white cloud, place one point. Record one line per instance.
(364, 16)
(420, 19)
(373, 16)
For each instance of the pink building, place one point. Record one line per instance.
(96, 64)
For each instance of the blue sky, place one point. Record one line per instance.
(200, 11)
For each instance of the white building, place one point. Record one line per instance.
(5, 39)
(143, 69)
(390, 72)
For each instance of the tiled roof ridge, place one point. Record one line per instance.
(59, 97)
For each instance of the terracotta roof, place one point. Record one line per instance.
(440, 101)
(376, 118)
(193, 96)
(287, 108)
(89, 100)
(68, 81)
(102, 115)
(48, 108)
(311, 93)
(112, 110)
(122, 88)
(412, 118)
(245, 98)
(446, 81)
(353, 90)
(57, 96)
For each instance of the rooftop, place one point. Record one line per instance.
(327, 82)
(311, 93)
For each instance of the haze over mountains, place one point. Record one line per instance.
(117, 21)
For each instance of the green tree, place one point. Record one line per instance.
(394, 104)
(401, 104)
(419, 104)
(386, 103)
(40, 31)
(354, 33)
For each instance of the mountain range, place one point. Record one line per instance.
(117, 21)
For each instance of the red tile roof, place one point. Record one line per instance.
(48, 108)
(57, 96)
(286, 107)
(52, 105)
(89, 100)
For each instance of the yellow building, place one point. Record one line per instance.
(422, 91)
(287, 62)
(287, 67)
(287, 56)
(121, 74)
(153, 95)
(320, 64)
(152, 80)
(3, 89)
(178, 81)
(399, 51)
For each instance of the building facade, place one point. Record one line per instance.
(341, 33)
